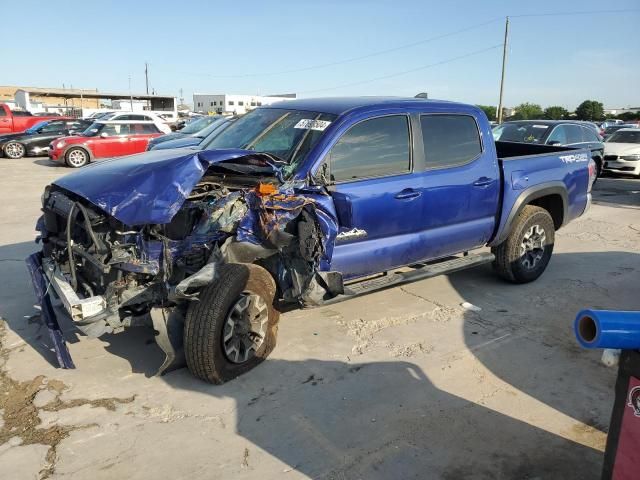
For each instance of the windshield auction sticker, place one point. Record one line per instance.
(308, 124)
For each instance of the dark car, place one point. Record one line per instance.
(614, 128)
(199, 142)
(36, 140)
(554, 132)
(192, 129)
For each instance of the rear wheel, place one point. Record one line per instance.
(526, 252)
(14, 150)
(233, 327)
(76, 157)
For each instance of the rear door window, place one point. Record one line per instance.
(450, 140)
(589, 135)
(574, 134)
(372, 148)
(559, 135)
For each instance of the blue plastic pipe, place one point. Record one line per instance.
(608, 329)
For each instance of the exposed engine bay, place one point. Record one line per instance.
(121, 272)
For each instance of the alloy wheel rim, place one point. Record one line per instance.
(245, 327)
(14, 150)
(77, 158)
(532, 247)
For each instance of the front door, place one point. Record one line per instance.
(376, 197)
(115, 143)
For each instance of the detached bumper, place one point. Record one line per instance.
(40, 286)
(79, 309)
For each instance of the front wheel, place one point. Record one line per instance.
(76, 157)
(526, 252)
(233, 326)
(14, 150)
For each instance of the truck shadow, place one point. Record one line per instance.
(332, 419)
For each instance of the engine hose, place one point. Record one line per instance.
(88, 228)
(72, 264)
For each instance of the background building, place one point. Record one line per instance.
(46, 102)
(239, 104)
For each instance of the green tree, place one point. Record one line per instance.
(590, 110)
(489, 111)
(628, 116)
(527, 111)
(556, 112)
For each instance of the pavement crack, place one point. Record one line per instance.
(21, 417)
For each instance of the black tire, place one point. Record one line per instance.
(599, 169)
(14, 150)
(75, 152)
(206, 319)
(510, 264)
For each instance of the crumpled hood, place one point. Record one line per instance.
(147, 188)
(611, 148)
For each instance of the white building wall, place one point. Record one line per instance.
(227, 103)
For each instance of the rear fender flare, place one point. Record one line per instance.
(528, 196)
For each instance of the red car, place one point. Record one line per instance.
(103, 140)
(14, 122)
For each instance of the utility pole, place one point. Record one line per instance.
(146, 75)
(504, 64)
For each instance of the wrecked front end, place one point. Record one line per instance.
(140, 254)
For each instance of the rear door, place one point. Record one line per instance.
(5, 122)
(376, 196)
(460, 186)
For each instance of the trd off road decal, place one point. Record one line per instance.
(575, 158)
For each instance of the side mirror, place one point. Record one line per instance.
(554, 142)
(321, 176)
(104, 135)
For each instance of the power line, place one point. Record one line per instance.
(583, 12)
(405, 72)
(355, 59)
(407, 45)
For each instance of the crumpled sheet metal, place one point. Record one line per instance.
(147, 188)
(41, 289)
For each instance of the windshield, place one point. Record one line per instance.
(35, 128)
(520, 132)
(196, 125)
(625, 136)
(286, 134)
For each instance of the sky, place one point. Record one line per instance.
(451, 50)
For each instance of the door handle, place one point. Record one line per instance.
(483, 182)
(408, 194)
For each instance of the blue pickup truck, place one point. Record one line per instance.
(302, 203)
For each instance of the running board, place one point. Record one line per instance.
(392, 279)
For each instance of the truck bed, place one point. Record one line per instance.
(529, 168)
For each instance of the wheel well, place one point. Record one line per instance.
(78, 147)
(554, 205)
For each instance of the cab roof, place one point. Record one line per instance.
(340, 105)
